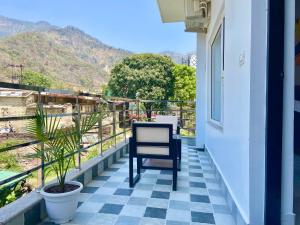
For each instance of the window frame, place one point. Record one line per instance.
(219, 27)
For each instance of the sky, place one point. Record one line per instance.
(133, 25)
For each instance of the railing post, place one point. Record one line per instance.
(124, 120)
(181, 114)
(114, 124)
(100, 130)
(41, 172)
(77, 125)
(138, 109)
(150, 119)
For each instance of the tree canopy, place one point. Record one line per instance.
(36, 79)
(152, 77)
(148, 75)
(185, 83)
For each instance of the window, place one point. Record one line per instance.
(217, 67)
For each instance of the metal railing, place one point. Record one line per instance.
(111, 129)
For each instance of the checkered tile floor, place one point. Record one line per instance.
(108, 200)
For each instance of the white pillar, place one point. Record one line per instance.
(288, 217)
(201, 91)
(258, 107)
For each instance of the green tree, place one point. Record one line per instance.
(148, 75)
(185, 83)
(36, 79)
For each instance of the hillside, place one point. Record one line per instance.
(68, 55)
(72, 58)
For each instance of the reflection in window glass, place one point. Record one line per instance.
(216, 77)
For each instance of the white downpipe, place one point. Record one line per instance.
(288, 217)
(201, 91)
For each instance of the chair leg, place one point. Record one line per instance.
(178, 147)
(131, 171)
(139, 164)
(175, 174)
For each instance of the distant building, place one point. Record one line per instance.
(193, 60)
(190, 60)
(24, 103)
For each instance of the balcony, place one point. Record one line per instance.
(102, 166)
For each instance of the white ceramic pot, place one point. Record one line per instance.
(61, 207)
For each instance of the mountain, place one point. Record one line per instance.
(72, 58)
(10, 26)
(69, 56)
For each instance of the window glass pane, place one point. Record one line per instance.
(216, 73)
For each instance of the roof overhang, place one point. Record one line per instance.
(194, 13)
(171, 10)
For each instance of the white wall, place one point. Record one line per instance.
(231, 145)
(201, 90)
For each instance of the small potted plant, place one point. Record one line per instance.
(59, 146)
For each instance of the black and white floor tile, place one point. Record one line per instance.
(108, 200)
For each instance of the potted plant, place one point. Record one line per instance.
(59, 146)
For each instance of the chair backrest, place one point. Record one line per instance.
(152, 139)
(168, 119)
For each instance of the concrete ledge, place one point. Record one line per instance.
(30, 209)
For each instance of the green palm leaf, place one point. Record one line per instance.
(56, 142)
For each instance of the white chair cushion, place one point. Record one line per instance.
(169, 120)
(152, 134)
(148, 150)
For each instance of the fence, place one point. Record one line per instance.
(18, 104)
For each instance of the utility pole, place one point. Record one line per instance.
(15, 77)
